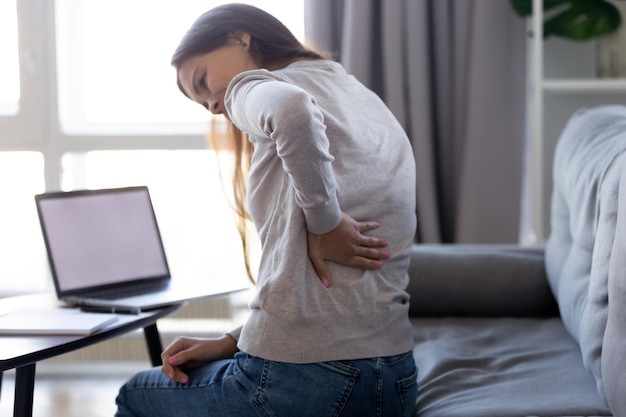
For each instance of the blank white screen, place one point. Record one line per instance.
(99, 239)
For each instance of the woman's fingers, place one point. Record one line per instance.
(347, 245)
(322, 271)
(370, 241)
(174, 372)
(173, 357)
(372, 253)
(368, 225)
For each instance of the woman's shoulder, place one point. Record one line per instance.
(311, 66)
(294, 69)
(297, 74)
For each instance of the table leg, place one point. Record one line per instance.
(24, 389)
(153, 340)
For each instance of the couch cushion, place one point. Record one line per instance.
(587, 165)
(506, 367)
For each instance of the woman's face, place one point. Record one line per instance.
(204, 78)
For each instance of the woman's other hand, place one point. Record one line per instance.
(187, 353)
(347, 245)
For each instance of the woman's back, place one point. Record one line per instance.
(367, 171)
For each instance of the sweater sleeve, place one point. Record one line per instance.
(263, 106)
(235, 333)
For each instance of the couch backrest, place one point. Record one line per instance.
(587, 166)
(613, 358)
(479, 280)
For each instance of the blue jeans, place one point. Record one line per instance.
(249, 386)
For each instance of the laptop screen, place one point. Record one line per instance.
(97, 238)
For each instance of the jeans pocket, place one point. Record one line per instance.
(303, 390)
(407, 388)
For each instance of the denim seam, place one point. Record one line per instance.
(347, 391)
(379, 387)
(259, 388)
(404, 384)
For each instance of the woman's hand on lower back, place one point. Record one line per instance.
(346, 245)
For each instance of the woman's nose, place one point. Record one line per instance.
(213, 105)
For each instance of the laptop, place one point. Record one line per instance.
(106, 253)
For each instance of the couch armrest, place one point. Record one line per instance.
(479, 280)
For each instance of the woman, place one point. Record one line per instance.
(328, 333)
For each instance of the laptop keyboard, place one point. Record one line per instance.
(122, 293)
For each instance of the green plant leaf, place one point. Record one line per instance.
(584, 20)
(579, 20)
(523, 8)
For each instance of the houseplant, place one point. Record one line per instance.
(583, 20)
(578, 20)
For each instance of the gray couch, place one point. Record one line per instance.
(510, 331)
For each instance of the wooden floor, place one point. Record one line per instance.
(73, 393)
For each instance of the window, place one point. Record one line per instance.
(121, 79)
(22, 254)
(99, 107)
(9, 70)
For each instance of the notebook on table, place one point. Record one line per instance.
(53, 321)
(105, 250)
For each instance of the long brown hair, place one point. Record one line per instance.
(271, 45)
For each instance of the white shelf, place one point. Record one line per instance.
(539, 86)
(581, 85)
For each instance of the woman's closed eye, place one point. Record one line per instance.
(202, 81)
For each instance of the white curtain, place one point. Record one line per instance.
(453, 73)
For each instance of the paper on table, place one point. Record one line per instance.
(53, 321)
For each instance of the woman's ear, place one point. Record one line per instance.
(245, 40)
(242, 38)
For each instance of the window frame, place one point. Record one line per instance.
(17, 130)
(39, 102)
